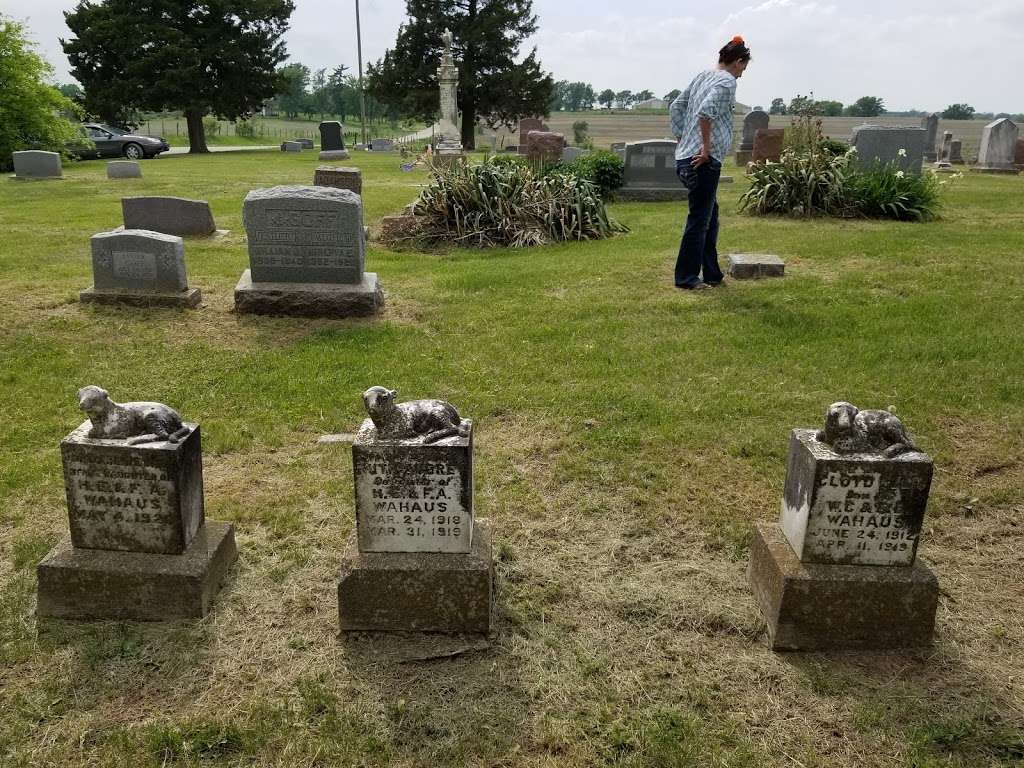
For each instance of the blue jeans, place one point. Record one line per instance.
(699, 249)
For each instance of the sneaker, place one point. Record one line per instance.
(695, 287)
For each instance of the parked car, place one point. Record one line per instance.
(112, 142)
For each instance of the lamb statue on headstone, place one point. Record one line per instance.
(136, 423)
(849, 430)
(425, 420)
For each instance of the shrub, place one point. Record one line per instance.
(834, 147)
(884, 192)
(246, 129)
(211, 126)
(510, 204)
(603, 169)
(801, 183)
(580, 134)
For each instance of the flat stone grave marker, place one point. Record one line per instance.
(382, 145)
(37, 164)
(124, 169)
(139, 268)
(339, 178)
(291, 146)
(170, 215)
(903, 148)
(306, 254)
(748, 266)
(839, 569)
(418, 561)
(332, 136)
(140, 547)
(334, 154)
(305, 143)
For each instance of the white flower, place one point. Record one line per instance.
(902, 153)
(851, 151)
(900, 174)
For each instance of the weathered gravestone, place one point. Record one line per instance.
(382, 145)
(947, 146)
(140, 547)
(768, 144)
(139, 268)
(332, 136)
(334, 154)
(124, 169)
(752, 123)
(998, 147)
(37, 164)
(956, 152)
(1018, 158)
(839, 570)
(572, 153)
(930, 123)
(305, 143)
(544, 147)
(749, 266)
(339, 178)
(418, 560)
(619, 148)
(306, 254)
(291, 146)
(170, 215)
(650, 173)
(526, 125)
(876, 145)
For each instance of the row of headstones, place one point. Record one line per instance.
(306, 251)
(39, 164)
(838, 570)
(1001, 150)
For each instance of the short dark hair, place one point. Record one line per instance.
(735, 50)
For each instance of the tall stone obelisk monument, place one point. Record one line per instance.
(449, 136)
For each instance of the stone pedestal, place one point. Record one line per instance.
(418, 592)
(339, 178)
(101, 584)
(334, 154)
(187, 299)
(309, 299)
(812, 607)
(749, 266)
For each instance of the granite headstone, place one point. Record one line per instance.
(332, 136)
(37, 164)
(998, 147)
(139, 268)
(930, 123)
(170, 215)
(903, 148)
(124, 169)
(752, 123)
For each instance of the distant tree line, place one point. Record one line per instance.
(865, 106)
(581, 97)
(324, 93)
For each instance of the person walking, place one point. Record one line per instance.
(702, 123)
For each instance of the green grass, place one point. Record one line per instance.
(628, 437)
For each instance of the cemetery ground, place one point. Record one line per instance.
(628, 437)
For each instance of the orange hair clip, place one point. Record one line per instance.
(739, 40)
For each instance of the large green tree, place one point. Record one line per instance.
(199, 56)
(30, 109)
(495, 86)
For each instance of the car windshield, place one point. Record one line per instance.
(115, 131)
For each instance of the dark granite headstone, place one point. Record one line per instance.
(170, 215)
(650, 172)
(903, 148)
(768, 144)
(332, 136)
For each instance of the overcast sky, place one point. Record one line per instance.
(922, 54)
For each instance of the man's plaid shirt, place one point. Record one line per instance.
(711, 94)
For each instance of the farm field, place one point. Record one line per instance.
(628, 434)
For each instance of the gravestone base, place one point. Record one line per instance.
(418, 592)
(651, 194)
(811, 607)
(1011, 171)
(748, 266)
(334, 154)
(101, 584)
(189, 299)
(309, 299)
(743, 157)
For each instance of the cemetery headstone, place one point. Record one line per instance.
(749, 266)
(418, 561)
(334, 154)
(140, 547)
(956, 152)
(37, 164)
(839, 570)
(526, 125)
(291, 146)
(572, 153)
(998, 147)
(544, 147)
(930, 123)
(332, 136)
(1018, 158)
(360, 146)
(947, 145)
(382, 145)
(619, 148)
(170, 215)
(768, 144)
(448, 147)
(879, 145)
(339, 178)
(306, 254)
(306, 143)
(752, 123)
(124, 169)
(650, 173)
(139, 268)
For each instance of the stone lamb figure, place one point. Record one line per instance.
(425, 420)
(135, 422)
(849, 430)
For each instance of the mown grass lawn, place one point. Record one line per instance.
(628, 436)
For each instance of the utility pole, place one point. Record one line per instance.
(362, 95)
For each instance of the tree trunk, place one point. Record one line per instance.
(196, 132)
